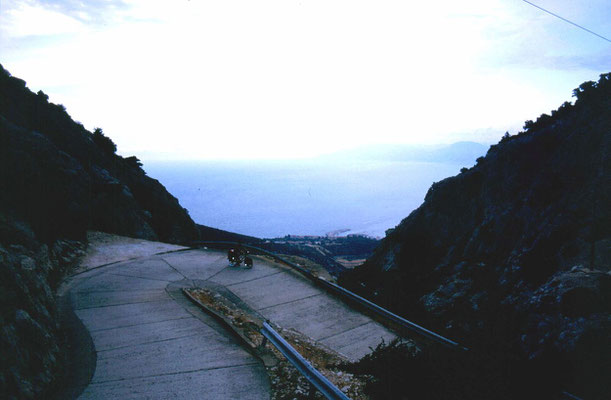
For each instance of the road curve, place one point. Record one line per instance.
(152, 343)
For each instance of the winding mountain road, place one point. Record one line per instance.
(151, 342)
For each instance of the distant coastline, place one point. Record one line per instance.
(322, 198)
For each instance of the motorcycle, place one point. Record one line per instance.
(237, 257)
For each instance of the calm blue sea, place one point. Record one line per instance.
(276, 198)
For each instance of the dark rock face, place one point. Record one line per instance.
(57, 180)
(64, 179)
(516, 250)
(31, 340)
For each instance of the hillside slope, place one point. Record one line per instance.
(513, 255)
(64, 179)
(57, 180)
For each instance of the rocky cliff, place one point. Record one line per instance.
(512, 256)
(63, 179)
(58, 180)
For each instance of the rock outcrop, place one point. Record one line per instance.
(31, 339)
(63, 179)
(514, 253)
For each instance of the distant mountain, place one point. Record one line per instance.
(464, 153)
(512, 256)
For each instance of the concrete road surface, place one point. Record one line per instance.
(153, 343)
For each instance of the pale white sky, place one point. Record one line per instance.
(205, 79)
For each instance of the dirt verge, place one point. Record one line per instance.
(286, 381)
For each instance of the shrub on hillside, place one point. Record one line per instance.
(104, 142)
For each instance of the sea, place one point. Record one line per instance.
(270, 199)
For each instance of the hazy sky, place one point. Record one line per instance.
(290, 78)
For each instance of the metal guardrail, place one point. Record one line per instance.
(355, 298)
(321, 383)
(392, 316)
(570, 396)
